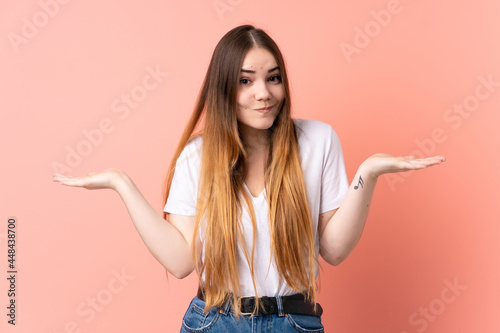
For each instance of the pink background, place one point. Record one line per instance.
(64, 68)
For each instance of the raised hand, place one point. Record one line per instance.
(338, 238)
(379, 164)
(108, 178)
(168, 244)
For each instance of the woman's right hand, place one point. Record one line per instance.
(108, 178)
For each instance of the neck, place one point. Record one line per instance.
(255, 140)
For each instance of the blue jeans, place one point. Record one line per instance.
(223, 320)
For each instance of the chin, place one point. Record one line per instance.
(265, 125)
(259, 125)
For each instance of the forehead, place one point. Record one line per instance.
(259, 59)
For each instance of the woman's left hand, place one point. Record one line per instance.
(379, 164)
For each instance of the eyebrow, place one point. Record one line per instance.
(253, 72)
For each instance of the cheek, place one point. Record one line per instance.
(242, 101)
(279, 92)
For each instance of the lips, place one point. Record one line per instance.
(265, 110)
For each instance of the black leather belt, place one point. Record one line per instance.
(292, 304)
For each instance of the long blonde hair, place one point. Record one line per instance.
(223, 171)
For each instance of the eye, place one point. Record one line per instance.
(244, 81)
(275, 78)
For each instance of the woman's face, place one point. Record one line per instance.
(260, 90)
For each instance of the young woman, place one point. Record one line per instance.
(253, 196)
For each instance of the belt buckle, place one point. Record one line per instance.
(264, 303)
(246, 313)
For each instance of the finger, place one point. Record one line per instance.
(70, 181)
(415, 162)
(410, 157)
(438, 157)
(434, 158)
(425, 162)
(428, 160)
(63, 177)
(422, 162)
(416, 166)
(58, 177)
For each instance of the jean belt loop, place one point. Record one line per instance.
(279, 302)
(227, 306)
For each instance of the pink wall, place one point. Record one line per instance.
(428, 259)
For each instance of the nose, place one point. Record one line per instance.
(261, 91)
